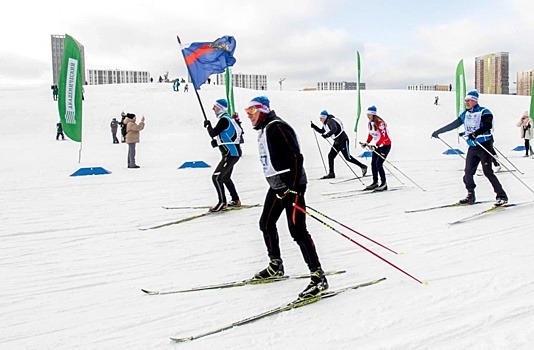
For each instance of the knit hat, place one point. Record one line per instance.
(261, 103)
(525, 114)
(324, 114)
(371, 110)
(123, 114)
(222, 104)
(472, 95)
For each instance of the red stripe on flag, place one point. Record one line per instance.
(191, 58)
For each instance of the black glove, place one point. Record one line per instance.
(324, 136)
(435, 134)
(371, 147)
(207, 123)
(363, 144)
(472, 136)
(461, 134)
(214, 143)
(312, 125)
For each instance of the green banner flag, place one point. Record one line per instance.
(460, 87)
(229, 91)
(70, 90)
(531, 113)
(359, 107)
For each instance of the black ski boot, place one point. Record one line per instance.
(274, 270)
(470, 199)
(328, 176)
(371, 186)
(318, 285)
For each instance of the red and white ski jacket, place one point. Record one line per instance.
(378, 136)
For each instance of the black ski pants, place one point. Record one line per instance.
(343, 148)
(476, 155)
(296, 222)
(377, 163)
(222, 177)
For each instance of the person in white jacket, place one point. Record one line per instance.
(525, 125)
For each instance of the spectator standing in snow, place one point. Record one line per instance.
(55, 90)
(114, 126)
(132, 137)
(59, 131)
(525, 127)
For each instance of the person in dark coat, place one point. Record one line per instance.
(59, 131)
(114, 126)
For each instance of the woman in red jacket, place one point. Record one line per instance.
(379, 143)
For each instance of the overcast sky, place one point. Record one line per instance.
(400, 42)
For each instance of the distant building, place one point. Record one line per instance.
(426, 87)
(492, 73)
(524, 82)
(116, 76)
(247, 81)
(58, 44)
(339, 85)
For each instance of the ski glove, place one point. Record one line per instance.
(472, 136)
(324, 136)
(363, 144)
(214, 143)
(435, 134)
(207, 123)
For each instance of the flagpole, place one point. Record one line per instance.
(196, 91)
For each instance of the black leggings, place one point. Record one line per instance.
(377, 163)
(296, 222)
(222, 177)
(343, 148)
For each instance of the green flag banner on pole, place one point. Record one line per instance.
(531, 113)
(460, 87)
(359, 106)
(70, 90)
(229, 91)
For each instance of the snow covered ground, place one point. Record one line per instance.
(73, 260)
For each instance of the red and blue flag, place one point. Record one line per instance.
(205, 59)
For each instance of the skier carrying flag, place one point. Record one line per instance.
(478, 123)
(227, 136)
(333, 127)
(283, 168)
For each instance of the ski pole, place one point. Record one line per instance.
(342, 158)
(517, 177)
(351, 229)
(353, 241)
(495, 148)
(320, 152)
(458, 153)
(393, 165)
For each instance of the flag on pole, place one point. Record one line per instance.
(229, 91)
(460, 87)
(207, 58)
(70, 90)
(359, 107)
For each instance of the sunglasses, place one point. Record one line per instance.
(251, 110)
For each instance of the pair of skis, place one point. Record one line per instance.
(492, 209)
(196, 216)
(283, 308)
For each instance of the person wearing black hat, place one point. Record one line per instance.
(333, 127)
(283, 168)
(478, 123)
(227, 136)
